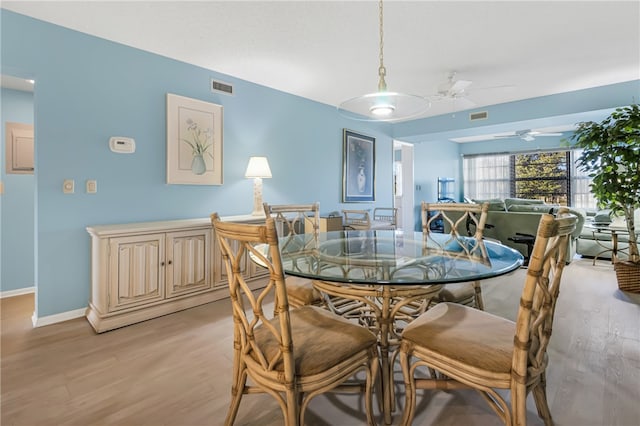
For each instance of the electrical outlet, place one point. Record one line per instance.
(68, 186)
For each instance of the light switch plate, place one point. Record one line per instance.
(92, 186)
(68, 186)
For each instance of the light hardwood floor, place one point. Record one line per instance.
(175, 370)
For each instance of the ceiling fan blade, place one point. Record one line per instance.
(545, 134)
(524, 134)
(463, 103)
(459, 86)
(489, 137)
(437, 97)
(501, 87)
(557, 129)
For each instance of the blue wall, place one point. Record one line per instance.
(17, 208)
(433, 160)
(88, 89)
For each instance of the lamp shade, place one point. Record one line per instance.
(258, 167)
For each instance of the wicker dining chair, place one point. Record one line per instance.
(293, 355)
(291, 220)
(384, 218)
(356, 220)
(459, 220)
(464, 347)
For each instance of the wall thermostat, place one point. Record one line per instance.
(122, 145)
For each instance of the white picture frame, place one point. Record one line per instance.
(194, 129)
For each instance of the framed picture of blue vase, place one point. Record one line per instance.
(359, 167)
(194, 141)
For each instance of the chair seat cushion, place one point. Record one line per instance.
(301, 292)
(320, 339)
(473, 340)
(381, 224)
(458, 293)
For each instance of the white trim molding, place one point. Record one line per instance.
(52, 319)
(17, 292)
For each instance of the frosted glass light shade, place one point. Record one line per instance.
(258, 167)
(384, 106)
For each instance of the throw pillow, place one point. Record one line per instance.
(495, 204)
(508, 202)
(602, 216)
(533, 208)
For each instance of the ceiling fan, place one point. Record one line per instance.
(525, 134)
(453, 88)
(455, 91)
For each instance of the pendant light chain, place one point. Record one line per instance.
(382, 71)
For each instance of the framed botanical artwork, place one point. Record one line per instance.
(358, 168)
(194, 141)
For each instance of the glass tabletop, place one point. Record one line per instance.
(607, 227)
(395, 257)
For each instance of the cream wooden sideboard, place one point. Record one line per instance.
(144, 270)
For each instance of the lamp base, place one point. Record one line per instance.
(258, 209)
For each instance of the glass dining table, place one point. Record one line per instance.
(383, 278)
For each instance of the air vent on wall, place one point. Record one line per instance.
(482, 115)
(221, 87)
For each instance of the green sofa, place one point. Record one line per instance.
(512, 216)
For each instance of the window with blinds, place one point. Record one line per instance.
(550, 176)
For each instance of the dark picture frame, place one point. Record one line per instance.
(358, 168)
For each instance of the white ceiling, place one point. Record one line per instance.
(328, 50)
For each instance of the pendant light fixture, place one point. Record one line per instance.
(383, 105)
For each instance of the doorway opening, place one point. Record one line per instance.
(403, 194)
(18, 187)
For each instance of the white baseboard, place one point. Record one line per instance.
(52, 319)
(18, 292)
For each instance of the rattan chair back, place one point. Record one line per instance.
(464, 223)
(292, 220)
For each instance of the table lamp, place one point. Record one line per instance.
(257, 169)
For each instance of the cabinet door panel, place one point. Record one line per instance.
(256, 270)
(188, 262)
(137, 271)
(222, 278)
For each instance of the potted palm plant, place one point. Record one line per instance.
(611, 157)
